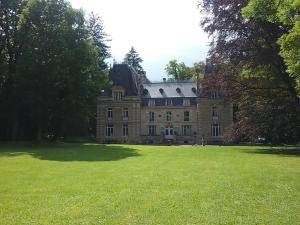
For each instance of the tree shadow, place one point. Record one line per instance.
(280, 151)
(70, 152)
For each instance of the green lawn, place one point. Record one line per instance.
(131, 184)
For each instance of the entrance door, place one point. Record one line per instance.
(169, 132)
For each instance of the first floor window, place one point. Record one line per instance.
(125, 130)
(125, 114)
(151, 130)
(186, 130)
(216, 130)
(151, 116)
(169, 116)
(186, 116)
(109, 131)
(109, 113)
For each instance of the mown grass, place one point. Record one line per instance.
(130, 184)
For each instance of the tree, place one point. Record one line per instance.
(287, 14)
(96, 34)
(246, 63)
(133, 59)
(179, 71)
(58, 72)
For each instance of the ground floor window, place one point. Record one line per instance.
(169, 131)
(216, 130)
(152, 130)
(109, 130)
(125, 130)
(186, 130)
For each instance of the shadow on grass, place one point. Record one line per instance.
(70, 152)
(281, 151)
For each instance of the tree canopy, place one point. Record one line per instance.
(52, 68)
(246, 61)
(133, 59)
(179, 71)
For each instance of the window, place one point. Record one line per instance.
(214, 111)
(215, 94)
(168, 101)
(109, 113)
(125, 113)
(168, 116)
(151, 102)
(216, 130)
(186, 116)
(186, 102)
(186, 130)
(152, 130)
(118, 95)
(151, 116)
(109, 131)
(125, 130)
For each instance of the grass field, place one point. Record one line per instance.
(130, 184)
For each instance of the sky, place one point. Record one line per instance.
(160, 30)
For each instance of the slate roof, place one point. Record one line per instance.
(123, 75)
(186, 89)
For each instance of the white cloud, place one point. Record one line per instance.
(160, 30)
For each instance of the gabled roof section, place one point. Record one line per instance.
(184, 89)
(126, 77)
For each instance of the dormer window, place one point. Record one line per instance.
(151, 102)
(168, 101)
(186, 102)
(215, 94)
(118, 95)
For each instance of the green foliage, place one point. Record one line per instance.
(132, 184)
(179, 71)
(287, 13)
(133, 59)
(57, 66)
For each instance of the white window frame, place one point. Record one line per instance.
(186, 130)
(125, 130)
(216, 130)
(169, 102)
(186, 102)
(109, 113)
(168, 116)
(151, 130)
(109, 130)
(151, 116)
(118, 95)
(151, 102)
(186, 116)
(125, 113)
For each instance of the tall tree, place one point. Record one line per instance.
(59, 70)
(285, 14)
(245, 60)
(95, 29)
(133, 59)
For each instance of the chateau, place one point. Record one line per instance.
(156, 113)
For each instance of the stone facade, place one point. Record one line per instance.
(159, 113)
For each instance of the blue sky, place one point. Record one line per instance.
(160, 30)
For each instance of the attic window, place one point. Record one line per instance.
(145, 91)
(194, 90)
(161, 90)
(178, 90)
(118, 95)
